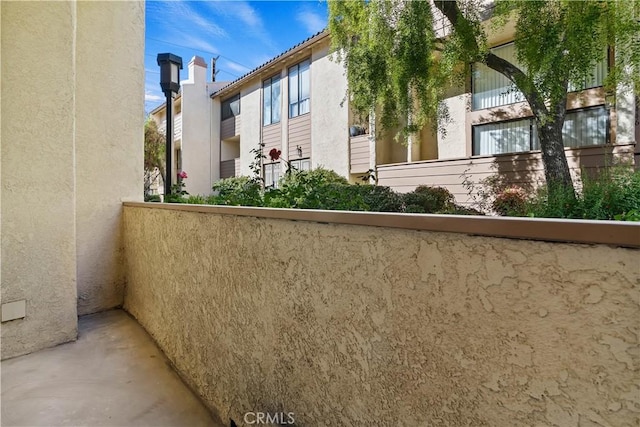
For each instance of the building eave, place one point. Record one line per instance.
(162, 106)
(234, 85)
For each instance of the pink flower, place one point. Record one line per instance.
(183, 175)
(274, 154)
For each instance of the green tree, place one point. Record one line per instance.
(396, 62)
(154, 154)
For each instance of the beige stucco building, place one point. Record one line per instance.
(297, 103)
(71, 154)
(194, 151)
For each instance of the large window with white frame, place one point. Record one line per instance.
(299, 89)
(581, 128)
(271, 174)
(231, 107)
(492, 89)
(301, 164)
(271, 101)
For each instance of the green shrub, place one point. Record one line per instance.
(429, 199)
(414, 209)
(510, 201)
(315, 189)
(461, 210)
(632, 215)
(151, 197)
(196, 200)
(613, 194)
(237, 191)
(175, 198)
(615, 191)
(379, 198)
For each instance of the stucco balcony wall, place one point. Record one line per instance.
(407, 320)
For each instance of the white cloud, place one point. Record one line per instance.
(181, 12)
(311, 21)
(233, 66)
(245, 13)
(152, 97)
(197, 43)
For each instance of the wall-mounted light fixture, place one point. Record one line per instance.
(299, 151)
(170, 66)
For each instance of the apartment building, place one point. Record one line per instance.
(192, 127)
(492, 131)
(296, 103)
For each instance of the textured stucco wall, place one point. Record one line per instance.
(38, 185)
(109, 150)
(355, 325)
(329, 119)
(72, 127)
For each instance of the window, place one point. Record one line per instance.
(504, 137)
(586, 127)
(299, 88)
(581, 128)
(271, 101)
(301, 164)
(271, 174)
(231, 107)
(492, 89)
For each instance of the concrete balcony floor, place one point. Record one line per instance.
(114, 375)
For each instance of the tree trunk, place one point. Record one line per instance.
(556, 167)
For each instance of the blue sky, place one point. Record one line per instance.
(244, 34)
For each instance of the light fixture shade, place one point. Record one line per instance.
(170, 66)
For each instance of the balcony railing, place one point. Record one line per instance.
(230, 127)
(463, 176)
(359, 153)
(230, 168)
(177, 127)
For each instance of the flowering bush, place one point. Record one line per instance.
(177, 192)
(511, 201)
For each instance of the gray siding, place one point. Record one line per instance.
(229, 168)
(230, 127)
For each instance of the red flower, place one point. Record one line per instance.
(274, 154)
(183, 174)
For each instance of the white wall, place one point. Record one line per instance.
(250, 123)
(196, 135)
(214, 117)
(329, 120)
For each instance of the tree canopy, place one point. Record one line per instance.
(398, 60)
(154, 153)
